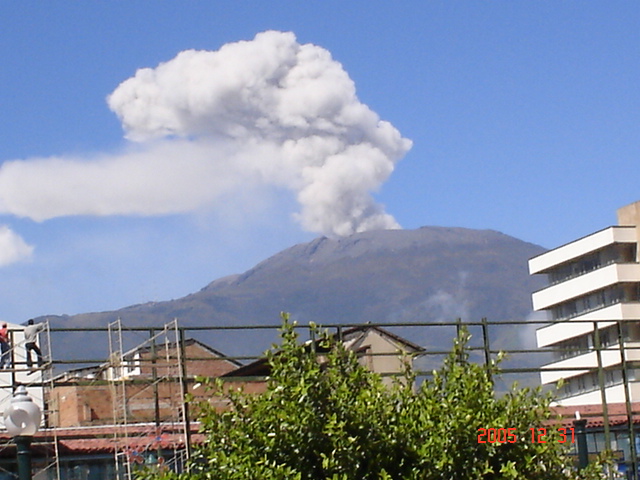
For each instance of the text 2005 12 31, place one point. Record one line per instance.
(535, 435)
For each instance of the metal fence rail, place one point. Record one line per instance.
(76, 351)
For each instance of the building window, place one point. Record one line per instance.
(618, 253)
(573, 347)
(594, 301)
(588, 382)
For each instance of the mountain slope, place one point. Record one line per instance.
(424, 275)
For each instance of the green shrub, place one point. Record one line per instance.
(335, 420)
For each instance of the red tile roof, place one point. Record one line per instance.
(95, 440)
(616, 412)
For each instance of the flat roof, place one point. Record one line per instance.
(581, 247)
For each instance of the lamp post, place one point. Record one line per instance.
(22, 420)
(580, 425)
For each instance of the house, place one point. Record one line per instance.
(147, 386)
(380, 350)
(605, 429)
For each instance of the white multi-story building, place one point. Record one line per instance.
(594, 282)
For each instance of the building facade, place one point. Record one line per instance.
(592, 301)
(148, 381)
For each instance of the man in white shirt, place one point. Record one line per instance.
(30, 342)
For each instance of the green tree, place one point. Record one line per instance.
(329, 418)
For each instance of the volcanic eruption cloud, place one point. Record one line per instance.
(266, 112)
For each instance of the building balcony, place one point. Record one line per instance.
(583, 324)
(583, 246)
(589, 282)
(589, 361)
(614, 394)
(610, 357)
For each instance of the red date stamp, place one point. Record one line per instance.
(537, 435)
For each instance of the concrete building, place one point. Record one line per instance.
(593, 298)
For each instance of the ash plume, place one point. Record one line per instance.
(266, 112)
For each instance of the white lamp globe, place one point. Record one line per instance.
(22, 416)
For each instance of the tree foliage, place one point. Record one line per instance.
(333, 419)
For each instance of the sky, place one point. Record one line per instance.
(149, 148)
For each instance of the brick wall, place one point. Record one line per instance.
(91, 402)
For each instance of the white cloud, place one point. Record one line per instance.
(266, 112)
(12, 247)
(162, 178)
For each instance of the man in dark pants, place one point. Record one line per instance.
(30, 342)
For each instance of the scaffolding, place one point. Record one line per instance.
(148, 391)
(149, 421)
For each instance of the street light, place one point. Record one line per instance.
(22, 420)
(580, 425)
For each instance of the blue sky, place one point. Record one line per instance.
(523, 117)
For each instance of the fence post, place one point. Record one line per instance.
(601, 384)
(487, 349)
(154, 378)
(627, 401)
(458, 331)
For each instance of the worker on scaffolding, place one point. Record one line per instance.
(31, 332)
(5, 347)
